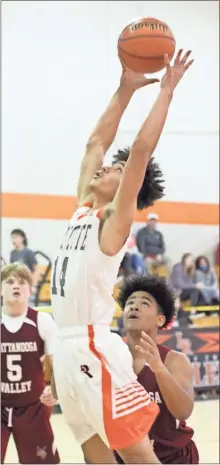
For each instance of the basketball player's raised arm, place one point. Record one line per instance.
(104, 133)
(124, 207)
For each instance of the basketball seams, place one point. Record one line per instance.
(157, 57)
(143, 36)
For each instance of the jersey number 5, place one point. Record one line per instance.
(62, 277)
(14, 372)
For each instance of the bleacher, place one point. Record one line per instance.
(43, 298)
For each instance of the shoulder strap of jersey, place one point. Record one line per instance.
(163, 350)
(32, 315)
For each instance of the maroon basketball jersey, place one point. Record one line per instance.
(22, 378)
(168, 434)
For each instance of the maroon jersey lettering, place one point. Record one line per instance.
(22, 378)
(168, 435)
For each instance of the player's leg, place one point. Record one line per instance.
(117, 406)
(5, 435)
(33, 435)
(93, 448)
(95, 451)
(6, 423)
(141, 452)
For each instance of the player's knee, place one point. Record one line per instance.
(141, 452)
(95, 451)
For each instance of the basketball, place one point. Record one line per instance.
(143, 43)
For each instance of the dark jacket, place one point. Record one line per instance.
(150, 242)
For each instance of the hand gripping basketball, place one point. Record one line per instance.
(175, 73)
(134, 80)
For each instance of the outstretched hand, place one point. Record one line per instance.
(133, 79)
(174, 73)
(148, 350)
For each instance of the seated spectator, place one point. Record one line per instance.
(207, 279)
(182, 319)
(183, 281)
(21, 253)
(150, 242)
(125, 268)
(137, 261)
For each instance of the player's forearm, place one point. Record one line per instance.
(149, 134)
(53, 387)
(141, 151)
(107, 126)
(177, 399)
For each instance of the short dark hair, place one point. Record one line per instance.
(155, 286)
(21, 233)
(152, 188)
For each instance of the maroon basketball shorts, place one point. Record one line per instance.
(33, 436)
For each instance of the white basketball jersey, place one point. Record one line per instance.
(83, 277)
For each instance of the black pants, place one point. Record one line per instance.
(194, 295)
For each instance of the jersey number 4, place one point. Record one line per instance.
(62, 277)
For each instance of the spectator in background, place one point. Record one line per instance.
(208, 278)
(150, 242)
(125, 268)
(21, 253)
(183, 281)
(182, 318)
(137, 261)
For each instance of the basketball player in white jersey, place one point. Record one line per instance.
(96, 385)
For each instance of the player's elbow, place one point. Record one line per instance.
(185, 411)
(142, 147)
(93, 141)
(96, 143)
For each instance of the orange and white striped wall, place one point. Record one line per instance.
(60, 68)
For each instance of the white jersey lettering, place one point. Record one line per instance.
(83, 277)
(16, 388)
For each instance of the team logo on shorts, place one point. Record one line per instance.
(85, 369)
(41, 452)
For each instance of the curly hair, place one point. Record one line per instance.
(152, 188)
(153, 285)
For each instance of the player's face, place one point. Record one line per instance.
(17, 240)
(106, 181)
(15, 293)
(141, 313)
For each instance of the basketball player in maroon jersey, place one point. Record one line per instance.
(148, 306)
(27, 336)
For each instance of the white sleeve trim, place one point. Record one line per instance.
(47, 331)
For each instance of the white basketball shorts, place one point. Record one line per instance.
(97, 388)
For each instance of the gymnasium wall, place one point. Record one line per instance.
(60, 68)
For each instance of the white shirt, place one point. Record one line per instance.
(45, 323)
